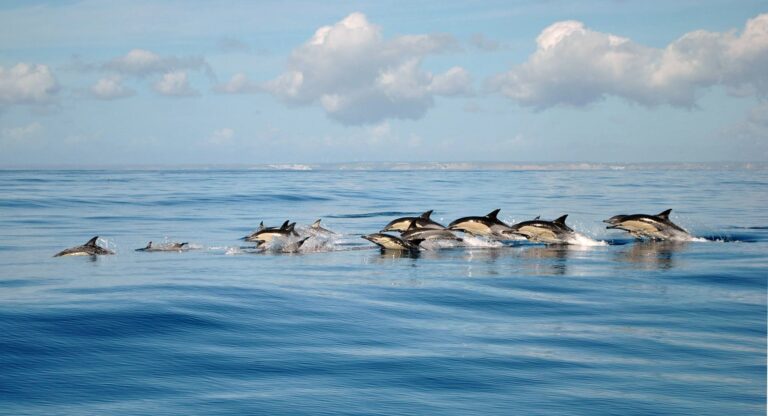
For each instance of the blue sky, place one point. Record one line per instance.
(185, 82)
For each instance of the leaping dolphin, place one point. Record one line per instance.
(164, 247)
(654, 227)
(550, 232)
(266, 234)
(422, 221)
(416, 233)
(88, 249)
(390, 242)
(488, 225)
(318, 229)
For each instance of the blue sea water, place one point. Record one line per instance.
(621, 328)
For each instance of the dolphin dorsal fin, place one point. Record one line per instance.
(412, 225)
(561, 220)
(183, 244)
(664, 214)
(285, 225)
(261, 225)
(492, 215)
(316, 224)
(149, 245)
(92, 242)
(425, 216)
(290, 227)
(538, 217)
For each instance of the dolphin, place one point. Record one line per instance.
(88, 249)
(550, 232)
(390, 242)
(266, 234)
(422, 221)
(488, 225)
(414, 232)
(318, 229)
(654, 227)
(165, 247)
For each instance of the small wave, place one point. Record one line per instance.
(729, 238)
(287, 166)
(373, 214)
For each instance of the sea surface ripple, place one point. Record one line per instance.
(622, 328)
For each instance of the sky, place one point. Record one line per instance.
(260, 82)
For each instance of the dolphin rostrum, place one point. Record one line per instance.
(422, 221)
(390, 242)
(655, 227)
(165, 247)
(488, 225)
(550, 232)
(88, 249)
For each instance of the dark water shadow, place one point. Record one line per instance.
(737, 238)
(652, 255)
(545, 260)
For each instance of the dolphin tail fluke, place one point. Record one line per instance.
(664, 214)
(301, 242)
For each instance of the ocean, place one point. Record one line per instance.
(610, 327)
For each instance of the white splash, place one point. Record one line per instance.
(579, 239)
(472, 241)
(109, 245)
(232, 251)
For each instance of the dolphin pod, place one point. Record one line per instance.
(415, 230)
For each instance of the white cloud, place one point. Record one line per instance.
(574, 65)
(222, 136)
(238, 84)
(141, 62)
(26, 84)
(110, 88)
(21, 134)
(360, 78)
(174, 84)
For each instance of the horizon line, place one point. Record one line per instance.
(400, 165)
